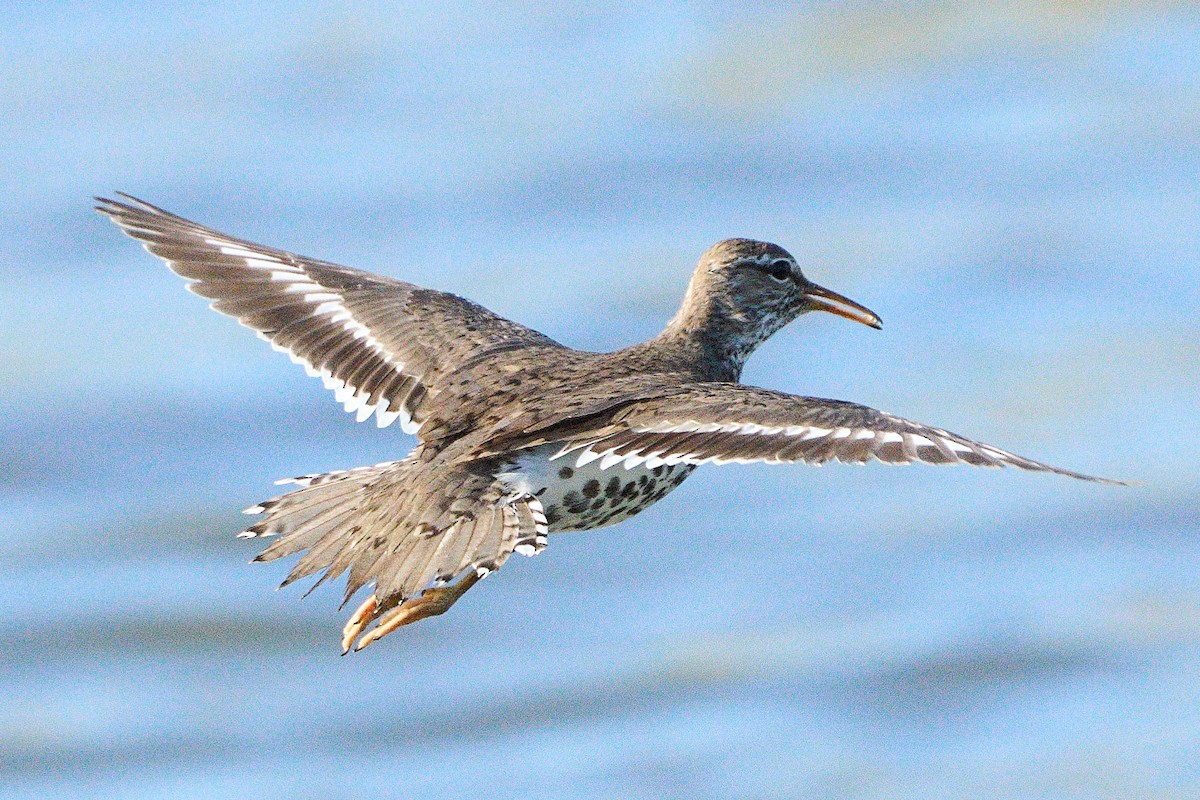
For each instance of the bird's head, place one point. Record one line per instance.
(757, 287)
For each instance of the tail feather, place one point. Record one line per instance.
(347, 546)
(457, 556)
(405, 526)
(362, 572)
(308, 533)
(323, 554)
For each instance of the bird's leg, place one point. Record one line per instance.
(429, 603)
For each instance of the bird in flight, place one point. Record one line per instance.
(517, 435)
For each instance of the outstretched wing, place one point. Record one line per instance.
(379, 343)
(722, 423)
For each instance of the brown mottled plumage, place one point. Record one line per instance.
(517, 435)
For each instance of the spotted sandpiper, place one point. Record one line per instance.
(518, 436)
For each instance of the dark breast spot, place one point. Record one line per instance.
(591, 488)
(574, 503)
(566, 473)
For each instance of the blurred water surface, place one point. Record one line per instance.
(1012, 186)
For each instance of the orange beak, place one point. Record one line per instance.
(822, 299)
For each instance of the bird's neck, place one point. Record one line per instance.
(711, 345)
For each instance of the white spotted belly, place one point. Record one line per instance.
(581, 498)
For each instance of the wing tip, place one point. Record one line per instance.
(1096, 478)
(127, 203)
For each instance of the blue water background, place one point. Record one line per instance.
(1014, 187)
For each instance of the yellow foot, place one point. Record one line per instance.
(359, 620)
(429, 603)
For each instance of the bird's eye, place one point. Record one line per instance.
(780, 270)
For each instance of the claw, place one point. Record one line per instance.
(359, 620)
